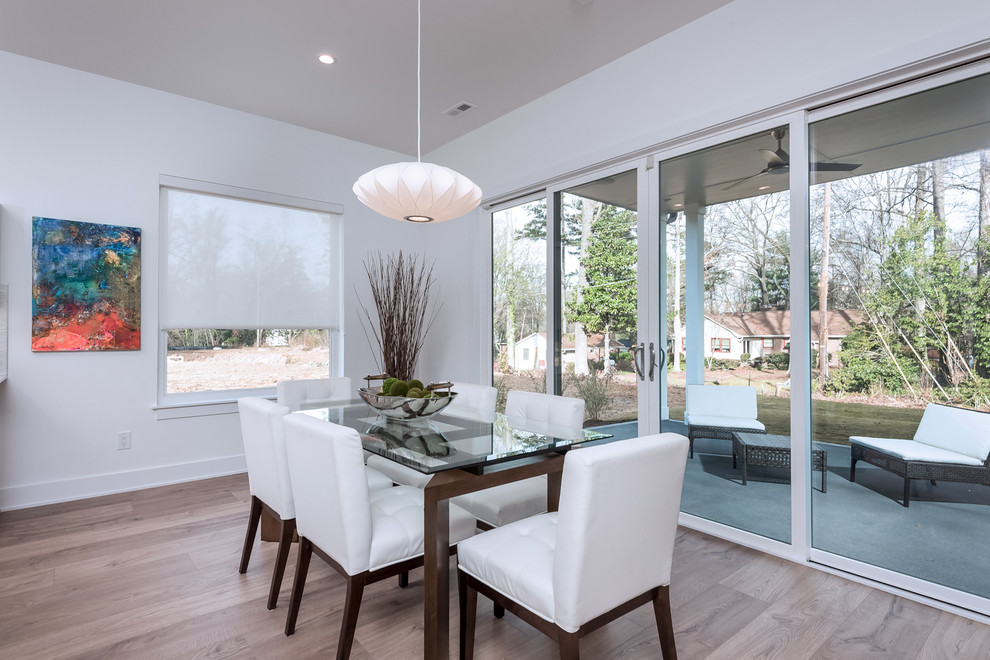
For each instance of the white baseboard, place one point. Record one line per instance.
(52, 492)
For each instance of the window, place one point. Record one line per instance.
(250, 291)
(519, 291)
(721, 345)
(768, 343)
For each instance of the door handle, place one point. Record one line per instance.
(638, 352)
(653, 360)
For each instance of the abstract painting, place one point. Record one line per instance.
(87, 287)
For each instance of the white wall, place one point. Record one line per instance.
(82, 147)
(743, 58)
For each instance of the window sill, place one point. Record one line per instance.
(195, 409)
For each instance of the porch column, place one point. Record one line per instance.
(694, 293)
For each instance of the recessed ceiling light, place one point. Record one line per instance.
(763, 188)
(677, 206)
(326, 59)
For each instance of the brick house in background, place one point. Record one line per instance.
(768, 331)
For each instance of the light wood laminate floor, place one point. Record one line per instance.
(153, 574)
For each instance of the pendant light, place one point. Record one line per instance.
(417, 192)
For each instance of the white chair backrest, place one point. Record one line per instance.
(473, 401)
(961, 430)
(330, 487)
(264, 452)
(295, 393)
(536, 406)
(721, 401)
(619, 504)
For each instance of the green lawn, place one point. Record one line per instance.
(835, 421)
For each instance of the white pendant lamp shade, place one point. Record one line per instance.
(417, 192)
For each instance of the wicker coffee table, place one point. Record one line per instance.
(768, 450)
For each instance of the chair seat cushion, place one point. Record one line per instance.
(397, 525)
(398, 473)
(726, 422)
(507, 503)
(377, 480)
(516, 560)
(910, 450)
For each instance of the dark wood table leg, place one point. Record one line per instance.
(436, 576)
(553, 490)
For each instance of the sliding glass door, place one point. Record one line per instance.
(726, 216)
(900, 320)
(597, 329)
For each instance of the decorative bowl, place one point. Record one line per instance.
(403, 407)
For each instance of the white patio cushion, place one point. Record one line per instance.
(727, 422)
(397, 525)
(516, 560)
(956, 429)
(507, 503)
(398, 473)
(911, 450)
(721, 401)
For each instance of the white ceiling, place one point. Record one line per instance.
(259, 56)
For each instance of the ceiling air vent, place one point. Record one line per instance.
(458, 108)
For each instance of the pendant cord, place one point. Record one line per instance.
(419, 83)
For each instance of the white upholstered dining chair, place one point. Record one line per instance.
(313, 391)
(509, 502)
(268, 481)
(607, 551)
(365, 535)
(521, 499)
(263, 433)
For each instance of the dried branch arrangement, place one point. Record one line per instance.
(400, 287)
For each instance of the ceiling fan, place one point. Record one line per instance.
(779, 162)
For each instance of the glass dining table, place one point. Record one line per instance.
(466, 452)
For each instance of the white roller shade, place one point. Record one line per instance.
(233, 263)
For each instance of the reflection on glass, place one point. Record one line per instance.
(900, 320)
(727, 216)
(519, 299)
(446, 442)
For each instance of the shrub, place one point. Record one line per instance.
(623, 355)
(974, 392)
(593, 388)
(866, 367)
(720, 364)
(744, 357)
(779, 361)
(233, 342)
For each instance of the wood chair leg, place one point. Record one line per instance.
(252, 531)
(403, 579)
(468, 599)
(498, 610)
(665, 625)
(298, 583)
(352, 605)
(288, 529)
(568, 643)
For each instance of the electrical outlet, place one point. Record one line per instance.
(124, 440)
